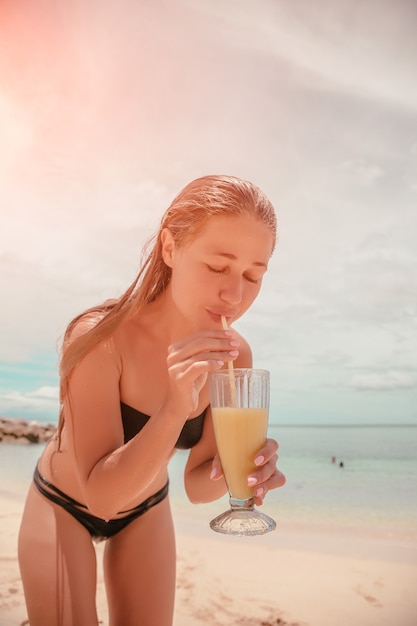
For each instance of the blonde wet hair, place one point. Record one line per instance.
(200, 200)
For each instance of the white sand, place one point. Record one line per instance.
(290, 577)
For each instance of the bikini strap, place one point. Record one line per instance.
(41, 482)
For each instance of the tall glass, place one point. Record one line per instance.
(240, 405)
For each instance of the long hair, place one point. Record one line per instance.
(200, 200)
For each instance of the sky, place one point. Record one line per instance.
(108, 109)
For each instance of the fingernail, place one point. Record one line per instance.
(259, 491)
(213, 473)
(252, 481)
(259, 460)
(234, 352)
(234, 343)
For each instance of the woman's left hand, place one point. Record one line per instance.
(267, 477)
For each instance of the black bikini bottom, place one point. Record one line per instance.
(98, 528)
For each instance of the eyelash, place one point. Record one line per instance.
(250, 280)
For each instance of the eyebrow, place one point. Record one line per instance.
(227, 255)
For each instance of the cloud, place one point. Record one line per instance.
(366, 174)
(342, 47)
(382, 381)
(59, 256)
(108, 117)
(43, 401)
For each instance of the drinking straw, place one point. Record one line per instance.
(232, 380)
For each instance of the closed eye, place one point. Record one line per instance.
(251, 280)
(215, 270)
(224, 269)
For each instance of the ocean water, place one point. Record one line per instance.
(375, 491)
(376, 488)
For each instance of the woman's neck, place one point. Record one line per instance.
(162, 318)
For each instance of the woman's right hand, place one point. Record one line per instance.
(190, 360)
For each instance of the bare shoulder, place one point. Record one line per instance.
(80, 327)
(106, 345)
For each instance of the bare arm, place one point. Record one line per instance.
(199, 467)
(113, 474)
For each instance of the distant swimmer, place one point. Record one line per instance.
(341, 464)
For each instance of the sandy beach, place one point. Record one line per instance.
(291, 577)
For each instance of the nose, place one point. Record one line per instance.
(231, 291)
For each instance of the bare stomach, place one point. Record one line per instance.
(60, 469)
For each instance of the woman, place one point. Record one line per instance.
(149, 353)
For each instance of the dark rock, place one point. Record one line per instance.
(14, 430)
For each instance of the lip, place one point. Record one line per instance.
(216, 316)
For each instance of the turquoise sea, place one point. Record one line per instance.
(375, 491)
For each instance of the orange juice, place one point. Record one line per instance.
(240, 433)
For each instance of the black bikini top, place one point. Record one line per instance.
(134, 420)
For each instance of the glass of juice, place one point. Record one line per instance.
(239, 400)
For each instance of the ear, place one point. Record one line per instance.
(168, 246)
